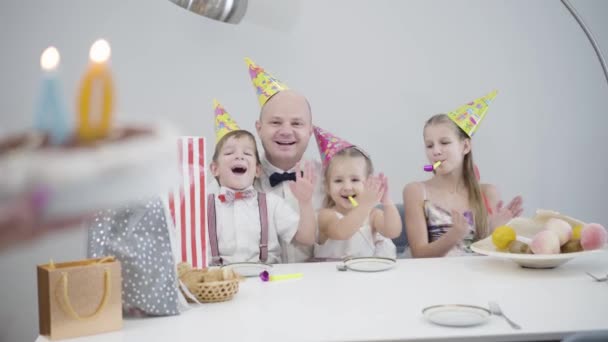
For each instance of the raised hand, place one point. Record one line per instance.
(459, 223)
(373, 191)
(504, 214)
(385, 196)
(304, 185)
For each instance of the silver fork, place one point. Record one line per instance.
(596, 278)
(496, 310)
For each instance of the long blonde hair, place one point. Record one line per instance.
(470, 180)
(351, 152)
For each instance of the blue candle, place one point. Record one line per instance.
(51, 114)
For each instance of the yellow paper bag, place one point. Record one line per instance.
(79, 298)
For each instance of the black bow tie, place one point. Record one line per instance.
(276, 178)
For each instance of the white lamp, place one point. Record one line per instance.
(589, 35)
(227, 11)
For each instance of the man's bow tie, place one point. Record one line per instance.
(231, 196)
(276, 178)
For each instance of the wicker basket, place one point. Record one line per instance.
(216, 291)
(209, 285)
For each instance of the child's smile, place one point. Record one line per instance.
(239, 170)
(346, 178)
(236, 167)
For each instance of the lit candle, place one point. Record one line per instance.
(96, 92)
(51, 115)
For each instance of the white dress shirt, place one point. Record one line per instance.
(292, 252)
(238, 228)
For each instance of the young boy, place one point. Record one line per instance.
(245, 225)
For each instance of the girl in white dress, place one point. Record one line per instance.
(353, 227)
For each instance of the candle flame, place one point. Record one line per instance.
(49, 58)
(100, 51)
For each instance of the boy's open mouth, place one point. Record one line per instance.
(346, 197)
(239, 170)
(285, 143)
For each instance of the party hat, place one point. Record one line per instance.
(330, 145)
(223, 121)
(469, 116)
(265, 84)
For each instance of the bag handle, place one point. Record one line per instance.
(104, 300)
(51, 265)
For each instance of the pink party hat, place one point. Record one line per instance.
(329, 144)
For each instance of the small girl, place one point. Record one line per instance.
(448, 212)
(349, 223)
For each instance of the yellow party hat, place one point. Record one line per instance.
(223, 121)
(264, 83)
(469, 116)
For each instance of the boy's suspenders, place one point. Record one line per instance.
(212, 228)
(263, 208)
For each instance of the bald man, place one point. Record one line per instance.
(284, 128)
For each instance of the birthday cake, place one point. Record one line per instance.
(129, 163)
(94, 164)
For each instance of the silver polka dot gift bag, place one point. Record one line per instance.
(138, 235)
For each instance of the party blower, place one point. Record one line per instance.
(430, 168)
(265, 276)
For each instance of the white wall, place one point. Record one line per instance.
(373, 71)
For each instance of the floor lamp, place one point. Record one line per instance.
(589, 35)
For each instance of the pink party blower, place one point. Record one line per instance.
(430, 168)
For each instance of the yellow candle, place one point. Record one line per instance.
(96, 91)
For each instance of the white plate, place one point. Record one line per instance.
(249, 269)
(456, 315)
(526, 227)
(371, 264)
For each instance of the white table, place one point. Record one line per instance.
(329, 305)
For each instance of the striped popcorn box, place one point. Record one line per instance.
(187, 203)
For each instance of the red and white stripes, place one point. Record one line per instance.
(188, 203)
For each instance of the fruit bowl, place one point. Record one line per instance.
(528, 227)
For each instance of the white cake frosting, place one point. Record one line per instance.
(94, 177)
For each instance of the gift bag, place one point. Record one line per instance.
(187, 203)
(138, 235)
(79, 298)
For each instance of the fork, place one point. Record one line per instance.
(496, 310)
(596, 278)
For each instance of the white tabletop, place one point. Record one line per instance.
(329, 305)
